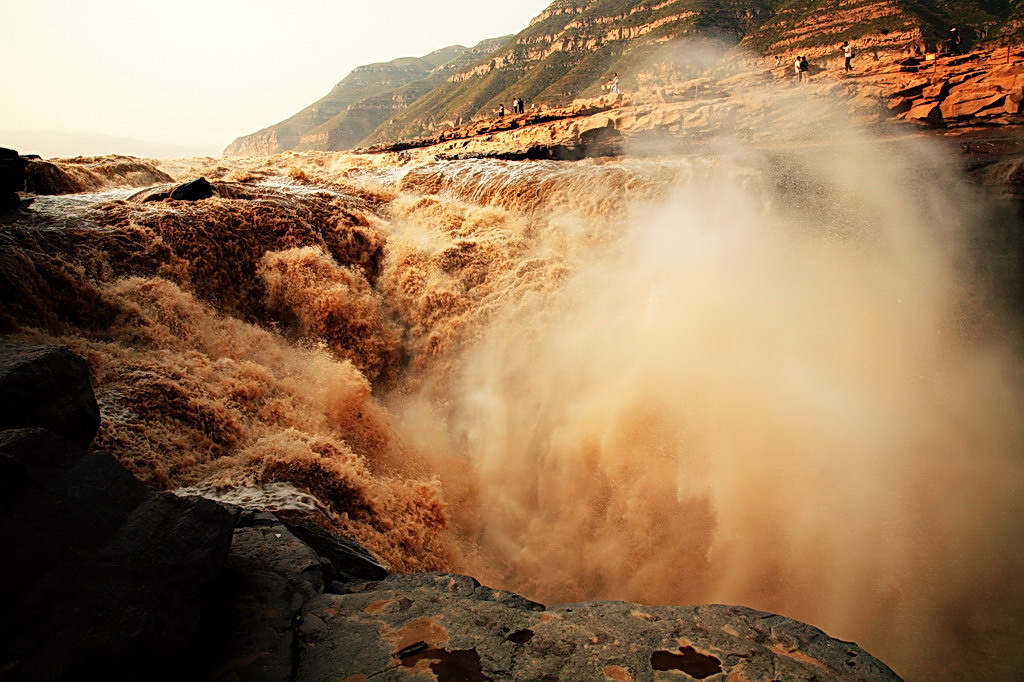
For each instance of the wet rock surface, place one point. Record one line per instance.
(449, 627)
(194, 190)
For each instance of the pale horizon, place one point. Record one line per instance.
(149, 81)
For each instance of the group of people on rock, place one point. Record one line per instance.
(801, 67)
(518, 107)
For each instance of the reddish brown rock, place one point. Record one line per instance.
(969, 104)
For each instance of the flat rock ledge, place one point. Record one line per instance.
(448, 627)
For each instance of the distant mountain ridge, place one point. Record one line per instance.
(359, 102)
(569, 50)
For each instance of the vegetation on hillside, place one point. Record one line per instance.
(577, 44)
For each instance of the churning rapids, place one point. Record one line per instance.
(764, 378)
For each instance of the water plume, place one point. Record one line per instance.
(772, 389)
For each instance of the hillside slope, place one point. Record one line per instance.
(571, 49)
(355, 122)
(362, 83)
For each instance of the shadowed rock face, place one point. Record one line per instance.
(47, 387)
(103, 578)
(459, 630)
(12, 179)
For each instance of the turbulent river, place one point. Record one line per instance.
(784, 379)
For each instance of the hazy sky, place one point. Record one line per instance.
(195, 74)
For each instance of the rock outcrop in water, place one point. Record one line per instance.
(108, 579)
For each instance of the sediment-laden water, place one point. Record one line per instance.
(772, 378)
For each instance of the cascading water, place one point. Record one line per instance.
(757, 377)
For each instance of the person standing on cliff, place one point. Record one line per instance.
(954, 40)
(805, 69)
(501, 110)
(847, 54)
(613, 84)
(797, 73)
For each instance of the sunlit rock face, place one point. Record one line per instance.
(572, 49)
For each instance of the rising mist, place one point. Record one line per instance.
(779, 386)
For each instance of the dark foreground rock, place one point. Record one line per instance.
(103, 578)
(47, 387)
(12, 179)
(449, 627)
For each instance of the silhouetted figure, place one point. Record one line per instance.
(501, 110)
(954, 41)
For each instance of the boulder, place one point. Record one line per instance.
(437, 625)
(926, 112)
(47, 387)
(102, 578)
(12, 179)
(969, 104)
(12, 171)
(197, 189)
